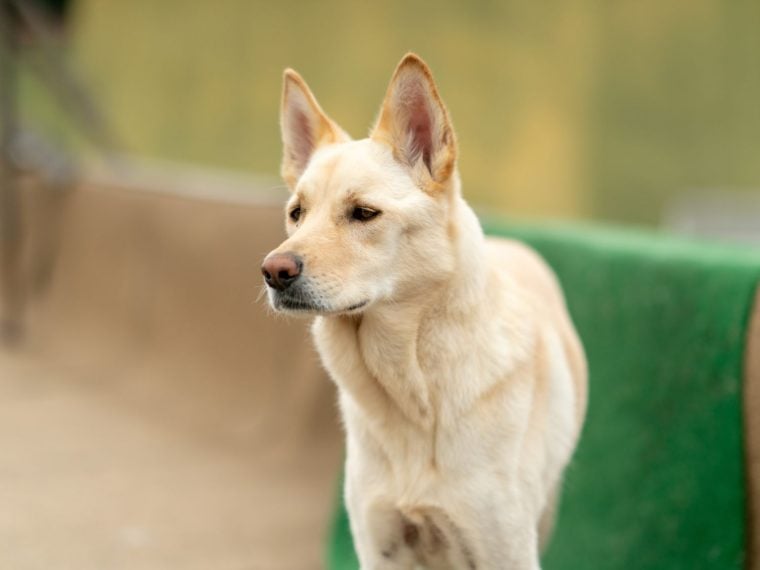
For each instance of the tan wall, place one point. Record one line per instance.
(155, 416)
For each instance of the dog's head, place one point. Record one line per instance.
(368, 220)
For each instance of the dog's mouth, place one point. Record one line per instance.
(290, 304)
(355, 307)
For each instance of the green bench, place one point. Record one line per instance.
(666, 473)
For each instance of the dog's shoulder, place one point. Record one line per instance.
(525, 269)
(528, 277)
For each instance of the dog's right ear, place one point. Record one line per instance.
(304, 125)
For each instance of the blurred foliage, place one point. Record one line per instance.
(573, 108)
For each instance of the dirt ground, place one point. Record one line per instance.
(154, 416)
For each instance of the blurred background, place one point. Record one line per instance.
(146, 401)
(614, 111)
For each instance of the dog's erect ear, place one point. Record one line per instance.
(304, 125)
(414, 122)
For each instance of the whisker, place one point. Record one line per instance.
(262, 292)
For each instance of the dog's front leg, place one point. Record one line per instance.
(428, 537)
(382, 538)
(501, 535)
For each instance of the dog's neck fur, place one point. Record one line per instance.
(384, 341)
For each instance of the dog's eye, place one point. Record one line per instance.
(363, 214)
(295, 213)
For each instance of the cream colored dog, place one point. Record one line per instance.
(462, 382)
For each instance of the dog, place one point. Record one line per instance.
(462, 382)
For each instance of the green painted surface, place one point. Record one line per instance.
(657, 482)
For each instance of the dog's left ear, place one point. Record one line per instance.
(414, 122)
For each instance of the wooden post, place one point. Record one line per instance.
(11, 291)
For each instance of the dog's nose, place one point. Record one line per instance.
(281, 270)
